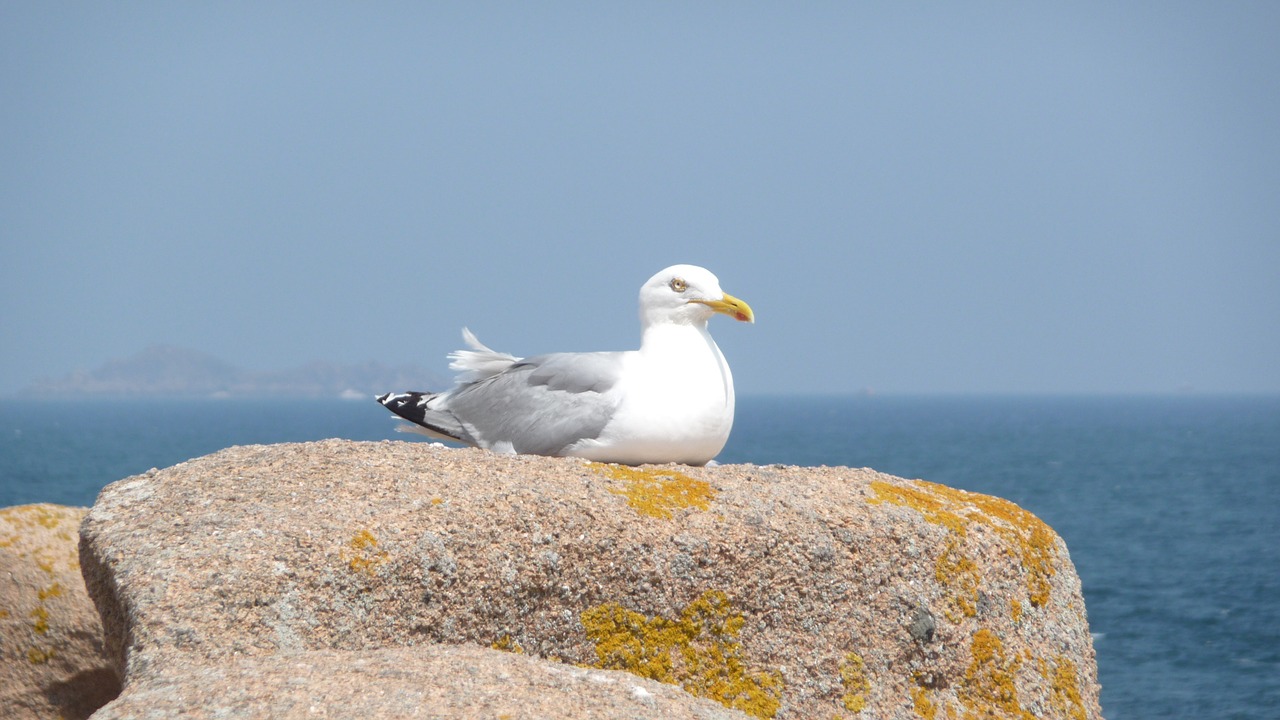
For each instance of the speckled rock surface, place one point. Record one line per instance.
(425, 681)
(778, 591)
(52, 662)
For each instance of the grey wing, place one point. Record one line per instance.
(543, 404)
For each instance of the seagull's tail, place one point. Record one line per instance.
(479, 362)
(416, 408)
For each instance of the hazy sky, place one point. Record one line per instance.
(914, 197)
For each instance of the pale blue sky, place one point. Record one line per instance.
(914, 197)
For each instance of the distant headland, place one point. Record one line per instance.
(169, 371)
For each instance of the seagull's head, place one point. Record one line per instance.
(688, 294)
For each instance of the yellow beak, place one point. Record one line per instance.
(731, 306)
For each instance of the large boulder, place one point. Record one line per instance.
(52, 663)
(776, 591)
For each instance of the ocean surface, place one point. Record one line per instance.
(1170, 506)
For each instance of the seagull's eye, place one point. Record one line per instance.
(679, 285)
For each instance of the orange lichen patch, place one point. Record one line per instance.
(853, 675)
(957, 571)
(1026, 536)
(1015, 608)
(699, 651)
(656, 492)
(506, 644)
(437, 500)
(1064, 686)
(362, 554)
(988, 688)
(36, 656)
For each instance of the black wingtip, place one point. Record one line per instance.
(408, 405)
(412, 406)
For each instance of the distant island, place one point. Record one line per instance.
(168, 371)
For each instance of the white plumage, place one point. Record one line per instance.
(670, 401)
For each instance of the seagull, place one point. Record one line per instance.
(671, 401)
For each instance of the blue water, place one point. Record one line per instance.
(1170, 506)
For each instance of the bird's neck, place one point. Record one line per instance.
(665, 337)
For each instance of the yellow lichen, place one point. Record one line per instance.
(989, 687)
(1064, 686)
(54, 590)
(1027, 538)
(956, 571)
(506, 644)
(1015, 609)
(44, 515)
(920, 497)
(437, 500)
(853, 675)
(36, 656)
(699, 651)
(923, 705)
(363, 555)
(41, 614)
(657, 492)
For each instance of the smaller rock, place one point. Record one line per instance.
(436, 681)
(52, 661)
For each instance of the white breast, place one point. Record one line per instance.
(676, 402)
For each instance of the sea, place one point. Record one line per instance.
(1170, 506)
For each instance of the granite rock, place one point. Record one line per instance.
(434, 681)
(52, 662)
(776, 591)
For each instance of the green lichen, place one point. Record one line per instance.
(657, 492)
(699, 651)
(853, 675)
